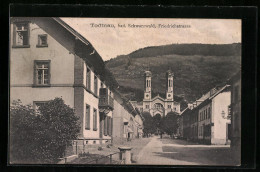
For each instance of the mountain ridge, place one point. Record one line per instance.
(197, 68)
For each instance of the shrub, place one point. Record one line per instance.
(41, 136)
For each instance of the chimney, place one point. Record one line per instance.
(213, 91)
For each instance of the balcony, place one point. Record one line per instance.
(106, 102)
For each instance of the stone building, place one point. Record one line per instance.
(158, 105)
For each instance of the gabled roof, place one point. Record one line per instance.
(206, 101)
(158, 97)
(219, 91)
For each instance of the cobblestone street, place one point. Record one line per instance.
(179, 152)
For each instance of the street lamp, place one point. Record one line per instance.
(223, 114)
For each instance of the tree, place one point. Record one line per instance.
(169, 123)
(157, 121)
(149, 127)
(41, 136)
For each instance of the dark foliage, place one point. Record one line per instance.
(41, 136)
(197, 69)
(169, 124)
(149, 127)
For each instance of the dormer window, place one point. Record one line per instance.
(21, 34)
(42, 41)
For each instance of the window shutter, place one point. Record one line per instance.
(105, 126)
(34, 73)
(87, 117)
(49, 73)
(111, 125)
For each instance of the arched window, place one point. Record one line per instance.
(158, 106)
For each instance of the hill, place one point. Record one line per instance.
(197, 68)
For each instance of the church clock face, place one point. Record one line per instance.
(169, 95)
(147, 95)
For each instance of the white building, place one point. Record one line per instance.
(213, 117)
(49, 59)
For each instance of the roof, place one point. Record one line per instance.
(219, 91)
(157, 97)
(208, 100)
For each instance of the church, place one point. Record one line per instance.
(158, 105)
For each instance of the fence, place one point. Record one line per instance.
(108, 159)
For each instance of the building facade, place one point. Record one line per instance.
(49, 59)
(127, 120)
(207, 119)
(158, 105)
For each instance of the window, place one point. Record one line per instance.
(102, 85)
(42, 41)
(88, 79)
(206, 113)
(21, 34)
(209, 112)
(109, 126)
(37, 104)
(105, 126)
(87, 118)
(94, 119)
(170, 83)
(169, 106)
(147, 106)
(42, 72)
(95, 85)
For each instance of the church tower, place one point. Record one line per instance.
(169, 85)
(147, 85)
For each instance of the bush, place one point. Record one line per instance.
(41, 136)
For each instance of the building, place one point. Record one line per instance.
(158, 105)
(49, 59)
(235, 113)
(127, 120)
(185, 114)
(214, 121)
(206, 120)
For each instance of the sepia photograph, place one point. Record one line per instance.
(125, 91)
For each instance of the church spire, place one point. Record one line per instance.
(147, 85)
(169, 84)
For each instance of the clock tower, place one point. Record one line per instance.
(147, 85)
(169, 85)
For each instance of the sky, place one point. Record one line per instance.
(113, 41)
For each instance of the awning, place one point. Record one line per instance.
(129, 130)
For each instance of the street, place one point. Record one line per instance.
(168, 151)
